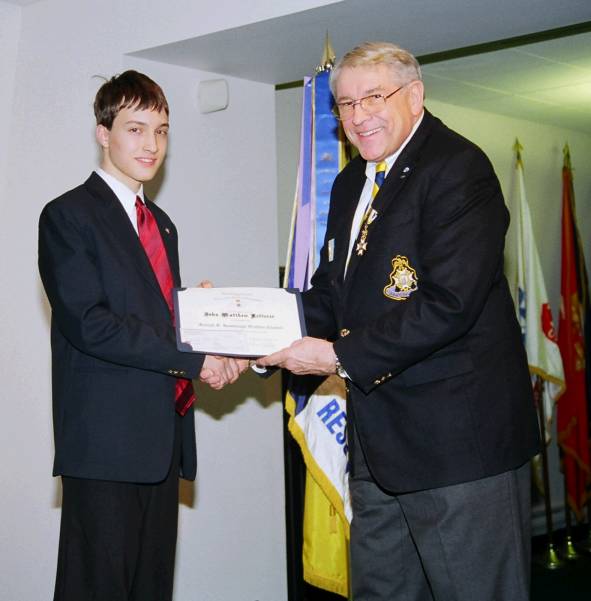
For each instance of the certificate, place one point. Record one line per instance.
(238, 322)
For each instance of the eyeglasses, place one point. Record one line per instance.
(370, 104)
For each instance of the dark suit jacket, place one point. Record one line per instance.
(113, 343)
(440, 391)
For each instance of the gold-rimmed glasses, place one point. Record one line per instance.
(370, 104)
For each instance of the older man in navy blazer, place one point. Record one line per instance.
(108, 259)
(411, 307)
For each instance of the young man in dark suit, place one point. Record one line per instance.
(122, 393)
(410, 305)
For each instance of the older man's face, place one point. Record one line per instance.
(378, 134)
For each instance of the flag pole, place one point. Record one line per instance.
(326, 506)
(328, 56)
(568, 551)
(517, 147)
(551, 559)
(583, 546)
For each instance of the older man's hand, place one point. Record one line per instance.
(305, 356)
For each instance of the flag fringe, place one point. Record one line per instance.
(549, 378)
(328, 584)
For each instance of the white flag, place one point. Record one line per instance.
(533, 309)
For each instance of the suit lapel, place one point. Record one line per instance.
(349, 205)
(393, 185)
(121, 230)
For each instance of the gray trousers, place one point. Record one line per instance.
(466, 542)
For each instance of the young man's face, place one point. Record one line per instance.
(135, 146)
(378, 134)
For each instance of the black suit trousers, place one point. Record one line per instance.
(118, 539)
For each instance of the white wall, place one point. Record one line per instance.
(234, 525)
(10, 19)
(288, 115)
(495, 134)
(219, 186)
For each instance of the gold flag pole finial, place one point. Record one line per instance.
(566, 153)
(328, 56)
(517, 147)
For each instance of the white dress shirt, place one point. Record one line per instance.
(125, 196)
(365, 198)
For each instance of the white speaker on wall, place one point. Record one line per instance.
(212, 95)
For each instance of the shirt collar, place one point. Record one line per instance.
(121, 191)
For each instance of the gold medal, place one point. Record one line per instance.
(362, 244)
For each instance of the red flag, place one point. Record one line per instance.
(572, 418)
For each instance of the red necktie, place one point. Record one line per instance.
(152, 242)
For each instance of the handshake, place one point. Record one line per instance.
(219, 371)
(305, 355)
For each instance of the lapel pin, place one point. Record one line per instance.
(167, 230)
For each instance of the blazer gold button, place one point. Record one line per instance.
(376, 382)
(344, 332)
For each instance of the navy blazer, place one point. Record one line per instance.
(113, 345)
(424, 322)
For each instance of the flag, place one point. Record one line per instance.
(317, 406)
(533, 309)
(584, 296)
(572, 412)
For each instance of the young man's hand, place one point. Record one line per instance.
(217, 372)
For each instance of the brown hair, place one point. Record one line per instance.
(129, 89)
(404, 65)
